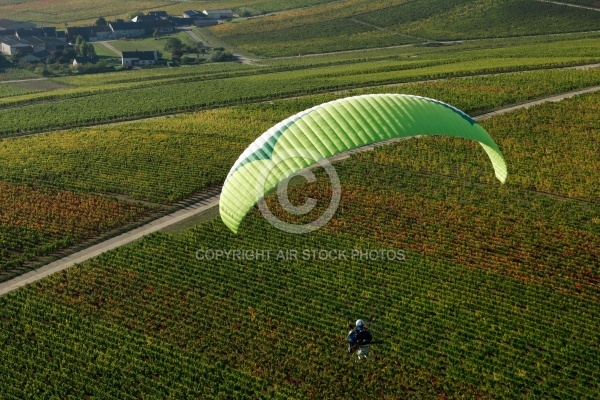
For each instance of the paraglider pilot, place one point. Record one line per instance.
(359, 339)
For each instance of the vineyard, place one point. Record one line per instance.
(78, 12)
(14, 73)
(112, 102)
(497, 296)
(39, 222)
(169, 159)
(479, 19)
(493, 291)
(358, 25)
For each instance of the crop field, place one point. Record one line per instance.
(399, 22)
(109, 98)
(337, 35)
(169, 159)
(474, 289)
(496, 295)
(16, 74)
(22, 87)
(477, 19)
(80, 12)
(38, 222)
(7, 90)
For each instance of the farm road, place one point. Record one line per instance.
(25, 80)
(570, 5)
(205, 201)
(196, 38)
(110, 47)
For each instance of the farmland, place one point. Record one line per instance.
(195, 88)
(39, 222)
(358, 26)
(493, 291)
(460, 320)
(151, 44)
(77, 12)
(169, 159)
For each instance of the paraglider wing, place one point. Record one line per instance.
(333, 128)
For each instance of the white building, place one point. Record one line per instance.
(139, 57)
(218, 14)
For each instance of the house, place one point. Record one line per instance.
(159, 14)
(127, 29)
(9, 24)
(89, 33)
(52, 43)
(139, 57)
(193, 14)
(179, 21)
(100, 32)
(205, 22)
(36, 43)
(162, 25)
(145, 18)
(75, 31)
(218, 14)
(135, 29)
(11, 45)
(41, 32)
(36, 57)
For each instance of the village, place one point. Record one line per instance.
(27, 43)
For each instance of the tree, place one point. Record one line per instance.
(200, 48)
(88, 50)
(101, 21)
(156, 33)
(17, 56)
(221, 56)
(173, 44)
(78, 43)
(177, 54)
(84, 48)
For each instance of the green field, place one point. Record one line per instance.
(169, 159)
(353, 25)
(476, 290)
(16, 74)
(480, 319)
(150, 44)
(104, 52)
(108, 98)
(80, 12)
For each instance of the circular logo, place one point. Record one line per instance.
(279, 169)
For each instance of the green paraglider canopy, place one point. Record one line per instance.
(333, 128)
